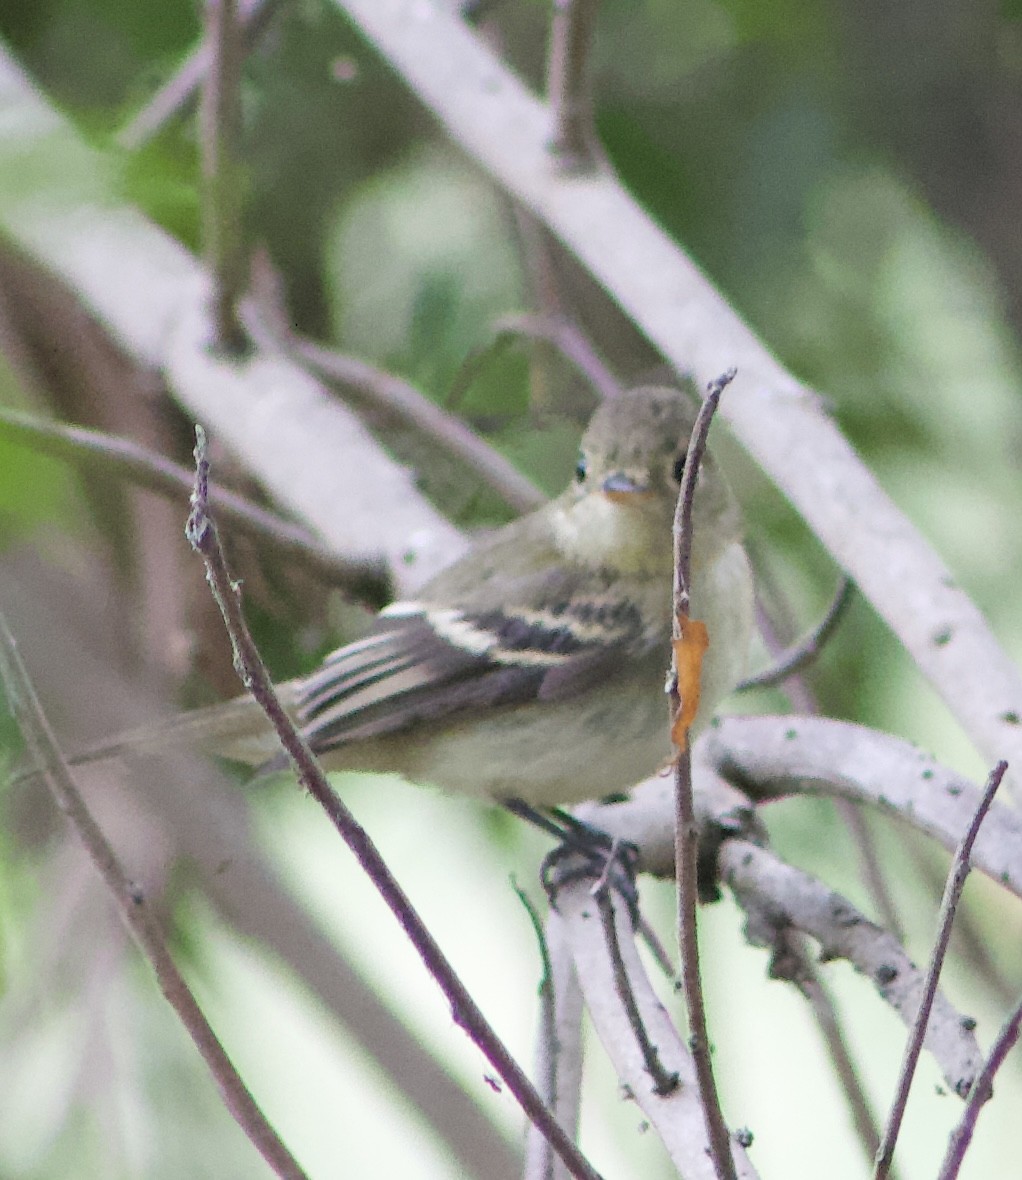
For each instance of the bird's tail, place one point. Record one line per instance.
(236, 730)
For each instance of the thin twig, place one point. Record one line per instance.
(686, 834)
(403, 400)
(664, 1081)
(364, 581)
(806, 650)
(558, 1063)
(952, 894)
(569, 340)
(178, 92)
(203, 536)
(573, 140)
(135, 910)
(961, 1136)
(221, 175)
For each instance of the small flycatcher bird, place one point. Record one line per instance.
(533, 668)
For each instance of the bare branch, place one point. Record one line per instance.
(775, 757)
(402, 400)
(803, 653)
(678, 1116)
(948, 906)
(558, 1053)
(364, 581)
(688, 646)
(135, 911)
(570, 341)
(220, 124)
(961, 1137)
(573, 141)
(807, 980)
(772, 892)
(202, 533)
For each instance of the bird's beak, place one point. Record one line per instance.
(622, 489)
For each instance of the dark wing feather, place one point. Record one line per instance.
(422, 663)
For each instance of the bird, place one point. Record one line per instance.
(532, 670)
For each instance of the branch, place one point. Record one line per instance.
(776, 896)
(961, 1137)
(948, 906)
(202, 534)
(365, 581)
(688, 645)
(573, 141)
(678, 1116)
(569, 340)
(178, 92)
(400, 399)
(135, 912)
(776, 757)
(558, 1052)
(793, 659)
(220, 128)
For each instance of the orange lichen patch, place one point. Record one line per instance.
(689, 650)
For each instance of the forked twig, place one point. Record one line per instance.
(202, 534)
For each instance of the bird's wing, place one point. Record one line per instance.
(423, 662)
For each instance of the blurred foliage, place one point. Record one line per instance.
(848, 181)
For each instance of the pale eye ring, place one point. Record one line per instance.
(580, 469)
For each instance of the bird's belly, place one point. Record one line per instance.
(554, 752)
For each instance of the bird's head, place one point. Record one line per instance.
(618, 512)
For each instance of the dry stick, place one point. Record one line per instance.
(201, 532)
(365, 581)
(174, 96)
(402, 399)
(961, 1136)
(664, 1081)
(134, 910)
(220, 125)
(573, 140)
(952, 894)
(686, 835)
(799, 655)
(559, 1050)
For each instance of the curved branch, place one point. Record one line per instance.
(773, 757)
(776, 895)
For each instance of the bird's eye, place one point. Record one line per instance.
(580, 469)
(679, 468)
